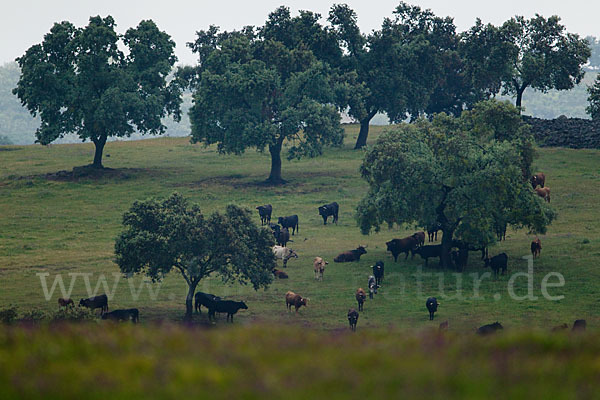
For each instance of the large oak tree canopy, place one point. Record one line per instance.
(78, 80)
(465, 173)
(261, 88)
(161, 236)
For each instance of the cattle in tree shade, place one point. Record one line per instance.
(100, 301)
(225, 306)
(279, 274)
(544, 193)
(329, 210)
(536, 247)
(289, 222)
(398, 246)
(432, 231)
(204, 299)
(351, 255)
(265, 213)
(426, 252)
(538, 179)
(420, 236)
(432, 305)
(353, 318)
(497, 263)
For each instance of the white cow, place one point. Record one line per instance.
(284, 253)
(319, 265)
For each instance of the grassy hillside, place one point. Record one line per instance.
(58, 226)
(266, 362)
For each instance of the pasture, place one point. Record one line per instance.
(52, 225)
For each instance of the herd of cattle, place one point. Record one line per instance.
(414, 244)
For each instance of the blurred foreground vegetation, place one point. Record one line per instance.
(98, 361)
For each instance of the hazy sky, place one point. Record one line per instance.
(24, 22)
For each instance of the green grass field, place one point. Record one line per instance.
(69, 226)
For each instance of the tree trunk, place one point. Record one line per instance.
(100, 142)
(189, 300)
(519, 99)
(361, 141)
(275, 175)
(446, 247)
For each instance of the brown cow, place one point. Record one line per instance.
(420, 236)
(65, 302)
(397, 246)
(538, 179)
(279, 274)
(543, 193)
(319, 265)
(361, 296)
(536, 247)
(293, 299)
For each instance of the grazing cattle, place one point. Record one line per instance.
(289, 222)
(497, 263)
(432, 231)
(538, 179)
(432, 305)
(426, 252)
(328, 210)
(397, 246)
(319, 266)
(123, 315)
(204, 299)
(444, 326)
(500, 228)
(544, 193)
(579, 325)
(100, 301)
(353, 318)
(279, 274)
(420, 236)
(284, 254)
(466, 247)
(265, 213)
(489, 328)
(561, 327)
(378, 271)
(283, 237)
(65, 302)
(351, 255)
(225, 306)
(293, 299)
(275, 229)
(361, 296)
(536, 247)
(460, 258)
(373, 286)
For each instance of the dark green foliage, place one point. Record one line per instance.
(547, 56)
(593, 109)
(261, 88)
(468, 173)
(160, 236)
(78, 80)
(8, 314)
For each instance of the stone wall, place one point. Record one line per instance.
(576, 133)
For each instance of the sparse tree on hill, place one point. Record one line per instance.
(78, 80)
(161, 236)
(263, 88)
(547, 56)
(593, 109)
(465, 173)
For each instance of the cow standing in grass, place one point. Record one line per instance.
(265, 213)
(378, 271)
(319, 267)
(293, 299)
(497, 263)
(361, 296)
(331, 209)
(100, 301)
(536, 247)
(289, 222)
(284, 254)
(353, 318)
(432, 305)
